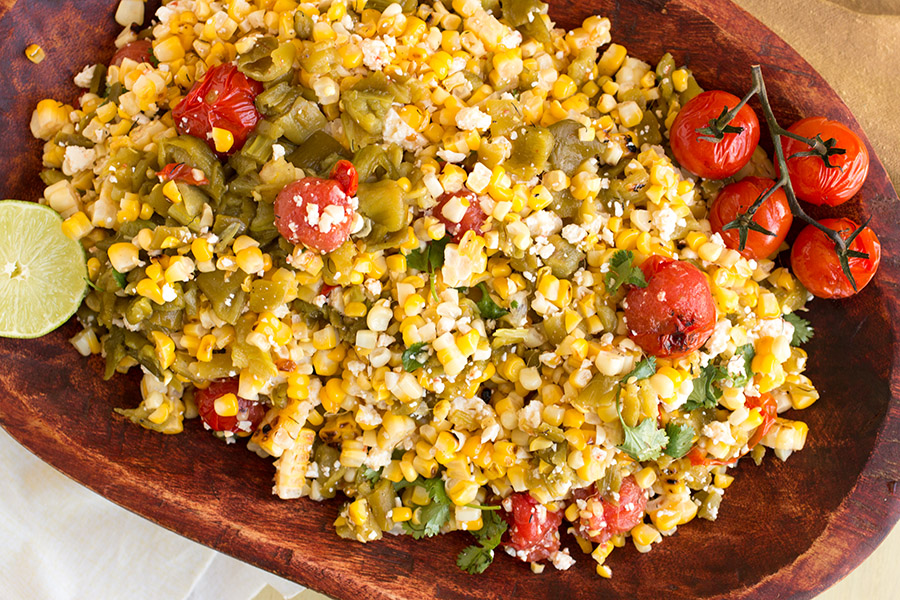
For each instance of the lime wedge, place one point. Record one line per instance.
(42, 272)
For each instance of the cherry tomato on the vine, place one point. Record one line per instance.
(249, 411)
(318, 213)
(603, 517)
(457, 217)
(812, 180)
(224, 98)
(675, 314)
(140, 51)
(774, 215)
(533, 530)
(710, 159)
(816, 264)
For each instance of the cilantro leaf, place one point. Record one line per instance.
(748, 352)
(475, 559)
(433, 516)
(91, 284)
(681, 439)
(418, 259)
(642, 370)
(120, 278)
(644, 442)
(803, 331)
(410, 357)
(431, 258)
(487, 307)
(622, 272)
(371, 475)
(705, 394)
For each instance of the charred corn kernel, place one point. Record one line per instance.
(35, 53)
(226, 405)
(786, 435)
(77, 226)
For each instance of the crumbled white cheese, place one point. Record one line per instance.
(471, 118)
(376, 54)
(718, 432)
(397, 131)
(83, 79)
(277, 151)
(77, 159)
(573, 233)
(450, 156)
(665, 220)
(479, 178)
(543, 223)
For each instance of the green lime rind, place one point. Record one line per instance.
(43, 273)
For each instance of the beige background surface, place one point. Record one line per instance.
(854, 44)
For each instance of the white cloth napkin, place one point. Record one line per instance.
(60, 541)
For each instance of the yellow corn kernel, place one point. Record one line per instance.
(401, 514)
(612, 59)
(680, 79)
(77, 226)
(205, 348)
(358, 511)
(645, 535)
(159, 416)
(148, 289)
(767, 306)
(334, 395)
(223, 139)
(168, 50)
(165, 349)
(250, 260)
(226, 405)
(35, 53)
(462, 492)
(645, 477)
(171, 191)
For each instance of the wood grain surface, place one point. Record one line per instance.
(787, 530)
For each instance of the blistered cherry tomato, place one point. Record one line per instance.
(140, 51)
(811, 179)
(713, 160)
(774, 214)
(224, 98)
(318, 213)
(471, 220)
(249, 411)
(182, 172)
(604, 517)
(675, 314)
(768, 408)
(815, 261)
(533, 530)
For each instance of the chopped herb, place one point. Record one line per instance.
(803, 331)
(643, 370)
(622, 272)
(475, 559)
(487, 307)
(681, 438)
(120, 278)
(91, 284)
(429, 260)
(644, 442)
(433, 516)
(705, 394)
(371, 475)
(514, 304)
(410, 357)
(748, 352)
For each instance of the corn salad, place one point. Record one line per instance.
(428, 377)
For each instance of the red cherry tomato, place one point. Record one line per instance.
(816, 264)
(183, 172)
(140, 51)
(774, 214)
(811, 179)
(675, 314)
(248, 410)
(224, 98)
(768, 408)
(713, 160)
(472, 219)
(603, 518)
(533, 530)
(318, 212)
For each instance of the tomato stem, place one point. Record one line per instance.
(718, 127)
(841, 247)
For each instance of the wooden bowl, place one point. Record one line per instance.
(784, 531)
